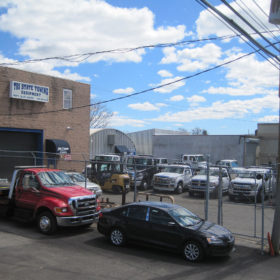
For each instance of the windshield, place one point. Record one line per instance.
(139, 163)
(173, 169)
(212, 172)
(76, 177)
(200, 158)
(55, 178)
(184, 217)
(247, 175)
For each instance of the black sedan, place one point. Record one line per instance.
(165, 225)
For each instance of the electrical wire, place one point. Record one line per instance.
(136, 93)
(251, 26)
(254, 17)
(221, 19)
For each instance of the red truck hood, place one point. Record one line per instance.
(70, 191)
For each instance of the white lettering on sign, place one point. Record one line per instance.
(30, 92)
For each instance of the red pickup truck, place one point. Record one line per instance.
(49, 197)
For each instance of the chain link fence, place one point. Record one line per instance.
(240, 199)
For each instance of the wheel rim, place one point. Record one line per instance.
(45, 223)
(116, 237)
(191, 251)
(180, 189)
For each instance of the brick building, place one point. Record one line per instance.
(38, 122)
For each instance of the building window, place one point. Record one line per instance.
(67, 98)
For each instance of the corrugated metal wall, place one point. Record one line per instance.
(103, 141)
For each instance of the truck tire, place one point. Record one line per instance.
(179, 188)
(46, 223)
(144, 185)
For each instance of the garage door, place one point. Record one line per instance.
(18, 147)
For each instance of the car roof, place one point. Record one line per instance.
(162, 205)
(177, 165)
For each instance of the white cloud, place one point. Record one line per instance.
(221, 110)
(269, 119)
(146, 106)
(195, 100)
(165, 74)
(248, 76)
(193, 59)
(161, 105)
(208, 24)
(171, 85)
(127, 90)
(49, 28)
(117, 121)
(177, 98)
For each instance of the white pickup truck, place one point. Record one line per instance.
(250, 182)
(173, 178)
(199, 181)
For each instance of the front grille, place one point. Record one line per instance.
(199, 185)
(84, 205)
(242, 188)
(162, 180)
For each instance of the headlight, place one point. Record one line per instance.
(213, 184)
(214, 240)
(60, 210)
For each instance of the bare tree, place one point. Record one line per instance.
(99, 116)
(199, 131)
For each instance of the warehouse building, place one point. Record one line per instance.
(110, 141)
(173, 145)
(38, 122)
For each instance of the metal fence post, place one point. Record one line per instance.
(135, 186)
(255, 214)
(207, 190)
(263, 193)
(85, 174)
(220, 196)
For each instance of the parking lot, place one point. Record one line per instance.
(85, 254)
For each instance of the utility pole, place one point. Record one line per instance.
(274, 18)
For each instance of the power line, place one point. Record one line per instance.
(252, 27)
(83, 56)
(137, 93)
(227, 22)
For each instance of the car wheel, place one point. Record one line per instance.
(191, 193)
(46, 223)
(179, 188)
(231, 197)
(117, 237)
(193, 251)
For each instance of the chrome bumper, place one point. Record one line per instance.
(77, 220)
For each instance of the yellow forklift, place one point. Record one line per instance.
(107, 171)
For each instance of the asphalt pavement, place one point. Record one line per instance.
(85, 254)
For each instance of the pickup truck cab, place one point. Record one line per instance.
(49, 197)
(174, 178)
(195, 160)
(250, 182)
(199, 181)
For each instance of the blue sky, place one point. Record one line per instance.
(228, 100)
